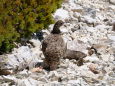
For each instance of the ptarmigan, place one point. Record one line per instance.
(53, 47)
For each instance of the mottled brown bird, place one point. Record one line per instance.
(77, 55)
(53, 47)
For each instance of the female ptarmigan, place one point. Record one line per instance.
(77, 55)
(53, 47)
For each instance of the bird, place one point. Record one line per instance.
(77, 55)
(53, 47)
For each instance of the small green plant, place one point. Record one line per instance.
(21, 18)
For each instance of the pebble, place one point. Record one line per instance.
(112, 1)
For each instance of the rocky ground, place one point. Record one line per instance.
(87, 23)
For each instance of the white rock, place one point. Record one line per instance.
(36, 42)
(64, 30)
(77, 46)
(27, 82)
(112, 1)
(107, 57)
(53, 74)
(72, 4)
(9, 78)
(55, 83)
(91, 58)
(78, 9)
(24, 72)
(89, 19)
(74, 82)
(76, 15)
(24, 52)
(112, 37)
(45, 32)
(112, 7)
(61, 14)
(50, 27)
(70, 71)
(78, 82)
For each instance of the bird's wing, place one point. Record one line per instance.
(45, 43)
(44, 46)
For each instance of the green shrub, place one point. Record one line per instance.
(20, 18)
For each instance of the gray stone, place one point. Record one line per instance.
(112, 1)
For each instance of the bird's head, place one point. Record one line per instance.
(56, 27)
(59, 23)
